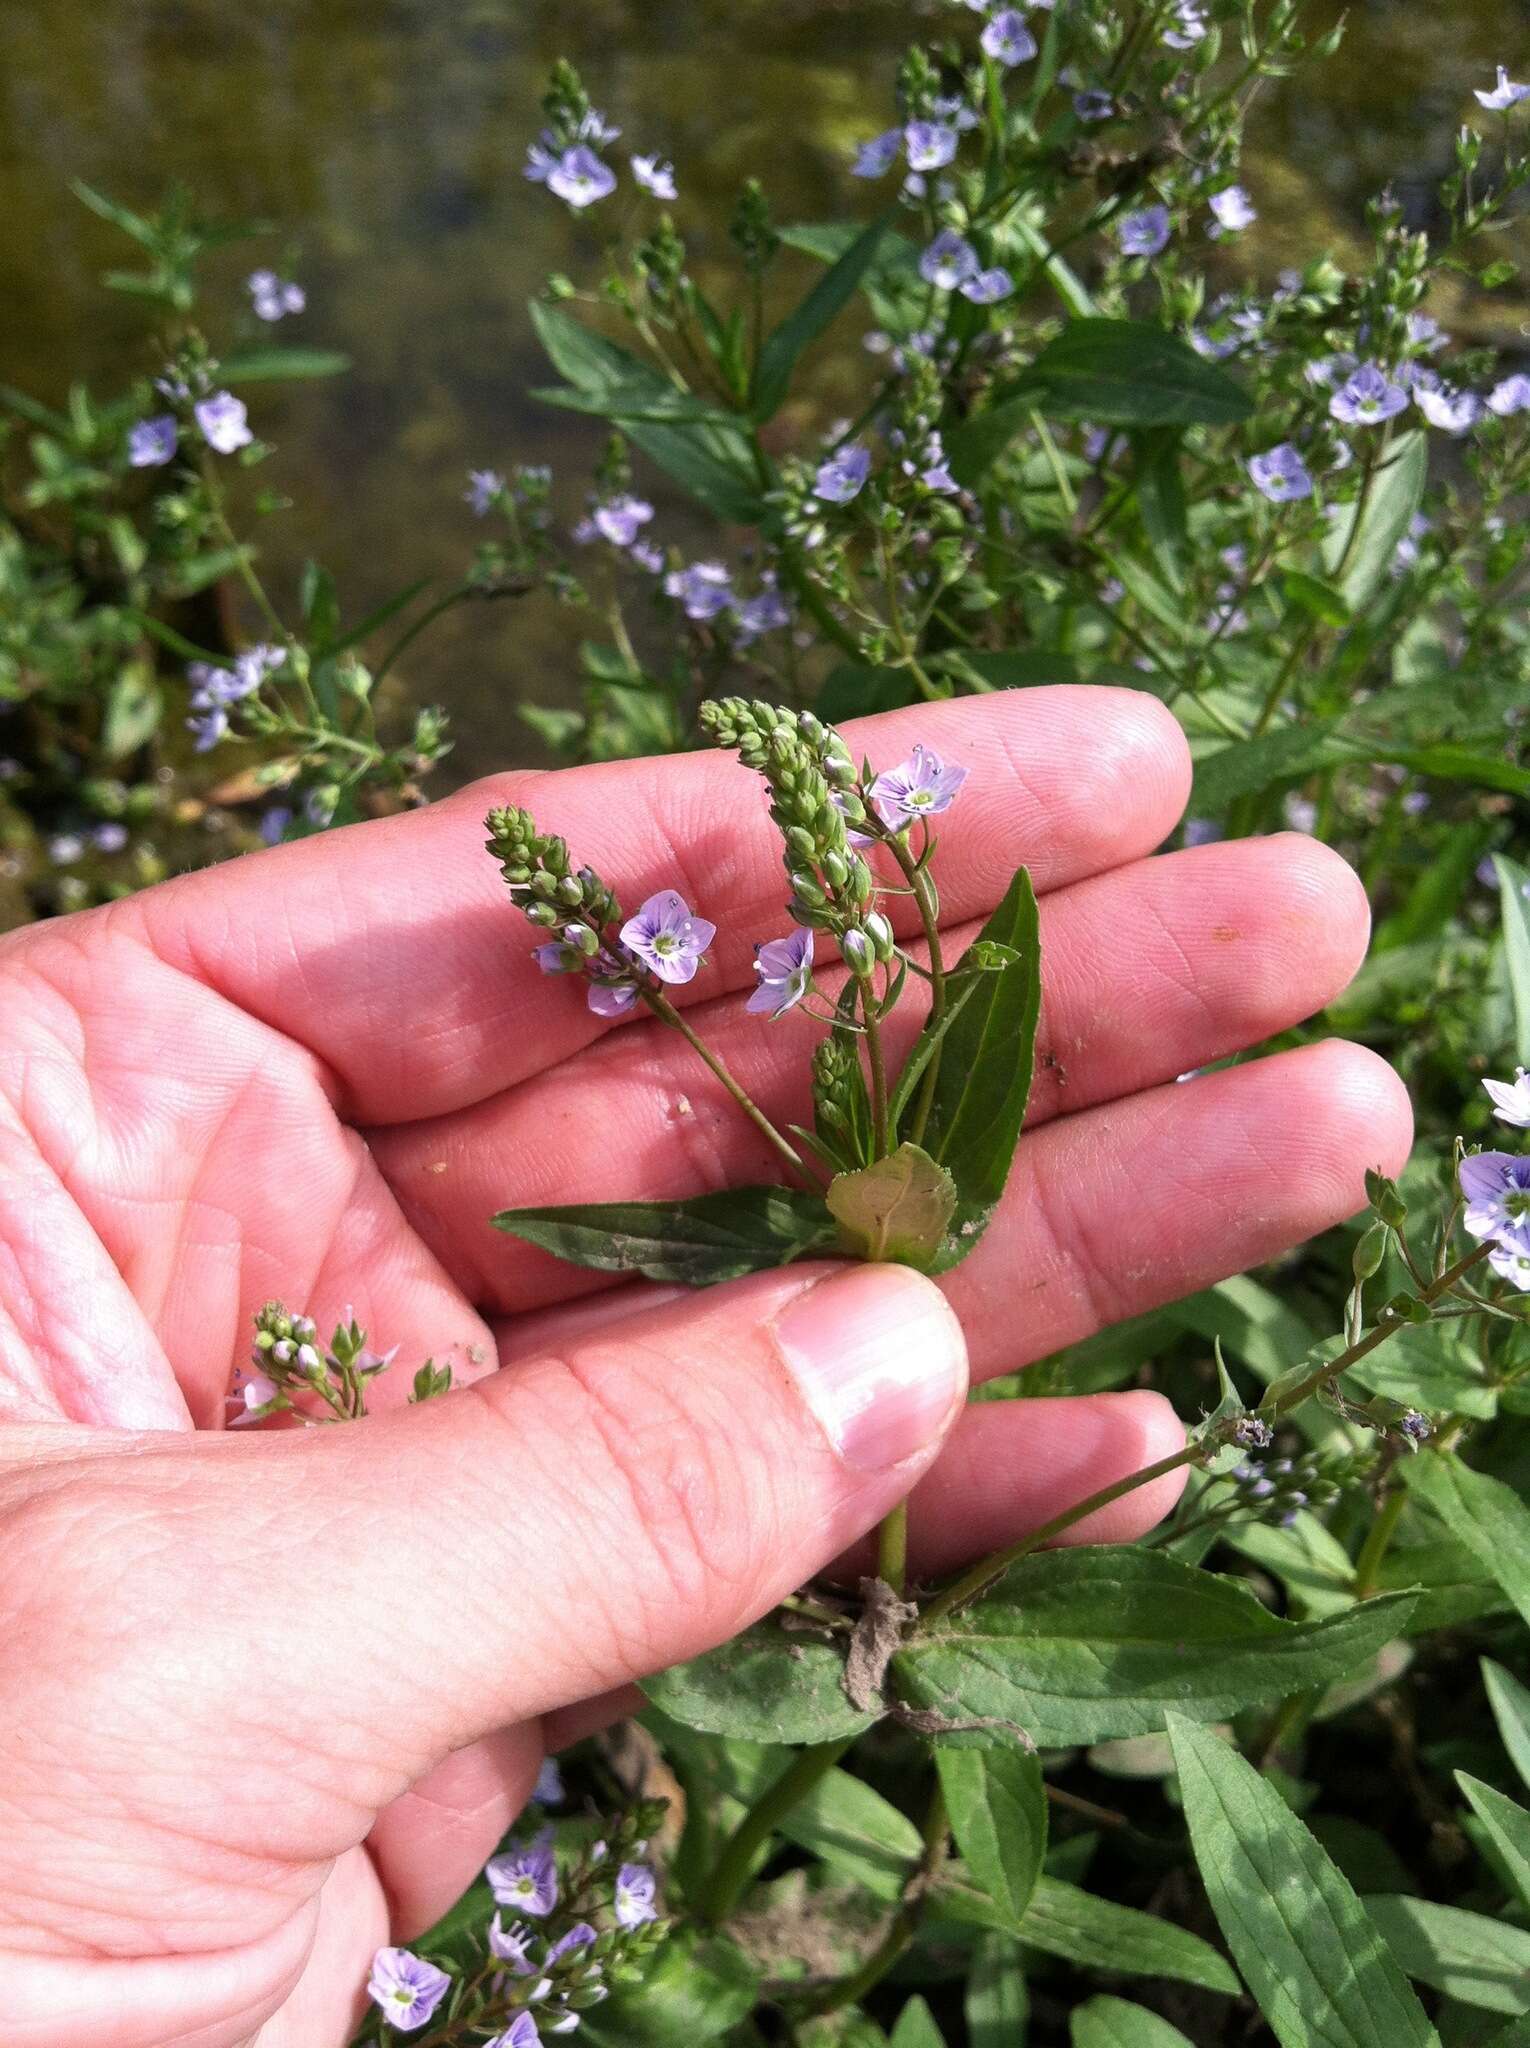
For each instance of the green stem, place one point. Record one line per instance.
(878, 1065)
(412, 632)
(724, 1886)
(929, 916)
(892, 1548)
(850, 1990)
(981, 1576)
(663, 1008)
(1377, 1543)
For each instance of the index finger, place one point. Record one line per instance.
(391, 951)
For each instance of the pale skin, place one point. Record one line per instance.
(270, 1700)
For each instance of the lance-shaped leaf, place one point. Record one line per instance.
(1508, 1827)
(1514, 902)
(1061, 1920)
(916, 2027)
(1480, 1961)
(697, 1243)
(1487, 1516)
(1318, 1968)
(1510, 1702)
(1116, 372)
(812, 318)
(1084, 1645)
(984, 1080)
(997, 2004)
(998, 1810)
(713, 462)
(899, 1208)
(768, 1685)
(1362, 538)
(1115, 2023)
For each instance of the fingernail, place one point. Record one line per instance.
(880, 1361)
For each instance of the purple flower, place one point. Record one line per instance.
(1497, 1190)
(1007, 39)
(609, 1001)
(521, 2033)
(633, 1902)
(151, 443)
(919, 788)
(1093, 104)
(874, 159)
(841, 477)
(667, 938)
(1325, 371)
(704, 589)
(988, 287)
(768, 612)
(646, 556)
(274, 297)
(579, 178)
(620, 519)
(556, 958)
(930, 144)
(948, 261)
(224, 422)
(406, 1987)
(65, 848)
(580, 1935)
(1301, 813)
(1511, 1099)
(207, 729)
(1425, 332)
(526, 1879)
(1511, 396)
(512, 1945)
(1189, 29)
(1513, 1266)
(257, 1391)
(1281, 474)
(1234, 211)
(1144, 233)
(785, 968)
(548, 1790)
(655, 176)
(1367, 399)
(109, 837)
(1453, 412)
(1505, 94)
(484, 486)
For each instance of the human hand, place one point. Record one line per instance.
(271, 1698)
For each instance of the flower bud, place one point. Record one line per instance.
(582, 939)
(1370, 1251)
(880, 933)
(858, 952)
(541, 914)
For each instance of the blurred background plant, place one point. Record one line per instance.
(1178, 346)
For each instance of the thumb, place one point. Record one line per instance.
(587, 1517)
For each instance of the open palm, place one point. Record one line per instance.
(271, 1698)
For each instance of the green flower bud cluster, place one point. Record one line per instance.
(815, 800)
(573, 905)
(837, 1087)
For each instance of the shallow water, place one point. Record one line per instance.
(386, 137)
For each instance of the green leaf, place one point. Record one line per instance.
(767, 1685)
(916, 2027)
(1482, 1962)
(627, 404)
(800, 329)
(142, 231)
(1317, 1967)
(1432, 1367)
(1116, 2023)
(1362, 538)
(998, 1808)
(1161, 498)
(900, 1208)
(923, 1049)
(997, 2004)
(1311, 595)
(985, 1071)
(1510, 1702)
(388, 609)
(1115, 372)
(1487, 1516)
(1064, 1921)
(1078, 1646)
(1247, 767)
(714, 463)
(135, 704)
(853, 1827)
(273, 365)
(1514, 908)
(1508, 1826)
(698, 1243)
(696, 1987)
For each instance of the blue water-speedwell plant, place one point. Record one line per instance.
(1088, 430)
